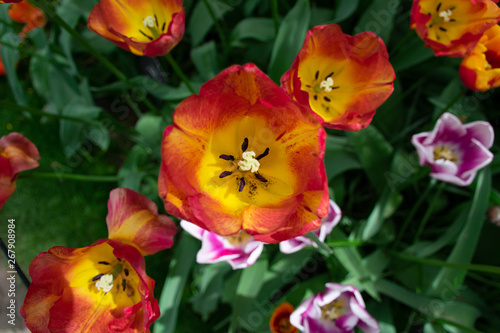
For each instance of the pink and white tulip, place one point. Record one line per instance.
(240, 250)
(327, 225)
(338, 309)
(455, 151)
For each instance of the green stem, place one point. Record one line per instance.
(217, 26)
(179, 72)
(276, 17)
(71, 176)
(50, 12)
(428, 212)
(344, 243)
(16, 107)
(441, 263)
(312, 236)
(414, 210)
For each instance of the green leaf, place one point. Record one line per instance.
(10, 57)
(344, 9)
(178, 273)
(130, 172)
(378, 18)
(466, 243)
(375, 154)
(411, 54)
(289, 39)
(383, 209)
(201, 22)
(210, 288)
(350, 258)
(151, 127)
(72, 133)
(248, 288)
(258, 28)
(205, 60)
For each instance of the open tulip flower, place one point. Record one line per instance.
(151, 28)
(327, 225)
(480, 70)
(102, 287)
(242, 155)
(339, 309)
(341, 78)
(455, 151)
(25, 12)
(452, 28)
(16, 154)
(240, 250)
(280, 319)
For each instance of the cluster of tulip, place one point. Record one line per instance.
(242, 164)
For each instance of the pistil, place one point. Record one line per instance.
(105, 282)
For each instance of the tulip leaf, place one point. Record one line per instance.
(205, 60)
(375, 154)
(378, 18)
(386, 205)
(201, 21)
(466, 243)
(178, 273)
(258, 28)
(151, 128)
(411, 54)
(344, 9)
(251, 281)
(130, 172)
(10, 56)
(289, 39)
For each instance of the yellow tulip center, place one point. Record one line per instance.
(443, 152)
(320, 91)
(440, 22)
(333, 310)
(241, 166)
(117, 273)
(152, 27)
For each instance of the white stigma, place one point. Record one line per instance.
(445, 14)
(249, 162)
(105, 283)
(327, 84)
(149, 22)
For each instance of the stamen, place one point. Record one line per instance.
(264, 154)
(438, 6)
(445, 14)
(244, 145)
(327, 84)
(327, 99)
(142, 32)
(97, 277)
(163, 26)
(225, 174)
(126, 271)
(315, 97)
(260, 177)
(227, 157)
(149, 21)
(242, 184)
(326, 77)
(249, 162)
(103, 262)
(156, 21)
(105, 283)
(317, 75)
(442, 29)
(124, 284)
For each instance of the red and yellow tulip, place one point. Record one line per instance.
(480, 70)
(341, 78)
(242, 155)
(25, 12)
(16, 154)
(150, 28)
(280, 319)
(102, 287)
(452, 28)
